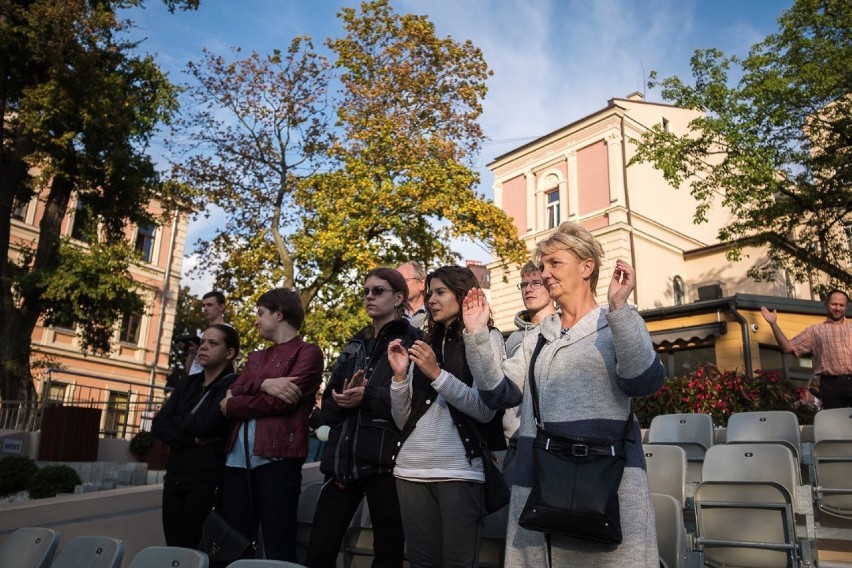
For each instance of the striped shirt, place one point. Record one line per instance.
(434, 451)
(831, 345)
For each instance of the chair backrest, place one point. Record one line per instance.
(773, 426)
(752, 463)
(832, 454)
(833, 424)
(667, 470)
(693, 432)
(91, 552)
(171, 556)
(692, 429)
(671, 531)
(305, 516)
(254, 563)
(746, 524)
(29, 547)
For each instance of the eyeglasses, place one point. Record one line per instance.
(376, 291)
(532, 284)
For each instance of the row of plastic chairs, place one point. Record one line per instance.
(34, 547)
(828, 460)
(751, 509)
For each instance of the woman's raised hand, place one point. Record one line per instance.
(398, 359)
(475, 311)
(622, 285)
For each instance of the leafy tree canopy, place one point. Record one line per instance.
(326, 170)
(774, 145)
(77, 110)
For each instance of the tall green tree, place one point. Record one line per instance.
(77, 109)
(773, 145)
(325, 171)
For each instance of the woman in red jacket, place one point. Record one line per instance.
(276, 427)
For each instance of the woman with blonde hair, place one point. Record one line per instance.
(592, 360)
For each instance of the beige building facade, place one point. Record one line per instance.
(582, 173)
(121, 384)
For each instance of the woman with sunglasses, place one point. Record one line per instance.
(443, 414)
(358, 457)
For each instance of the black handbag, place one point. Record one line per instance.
(497, 492)
(222, 542)
(575, 481)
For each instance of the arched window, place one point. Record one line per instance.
(678, 291)
(551, 193)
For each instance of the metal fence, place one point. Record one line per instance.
(126, 407)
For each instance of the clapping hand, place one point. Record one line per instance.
(352, 392)
(622, 285)
(398, 359)
(475, 311)
(424, 357)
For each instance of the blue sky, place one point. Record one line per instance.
(553, 61)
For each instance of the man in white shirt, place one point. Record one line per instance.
(213, 308)
(415, 277)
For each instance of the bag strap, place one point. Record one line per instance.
(207, 392)
(534, 391)
(248, 480)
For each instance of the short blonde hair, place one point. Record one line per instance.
(577, 240)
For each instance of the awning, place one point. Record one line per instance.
(689, 334)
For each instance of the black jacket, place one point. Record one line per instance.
(362, 440)
(177, 426)
(451, 357)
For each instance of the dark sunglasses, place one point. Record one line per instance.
(376, 291)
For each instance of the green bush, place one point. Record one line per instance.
(15, 473)
(141, 442)
(722, 393)
(53, 479)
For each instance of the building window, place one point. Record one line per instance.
(56, 393)
(19, 209)
(664, 122)
(145, 242)
(115, 420)
(678, 291)
(553, 209)
(131, 323)
(82, 223)
(798, 369)
(680, 362)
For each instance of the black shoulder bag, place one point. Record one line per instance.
(222, 542)
(575, 480)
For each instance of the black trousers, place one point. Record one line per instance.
(275, 493)
(334, 512)
(835, 391)
(185, 506)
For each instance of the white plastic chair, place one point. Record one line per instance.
(745, 508)
(169, 556)
(667, 470)
(91, 552)
(691, 431)
(29, 547)
(832, 456)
